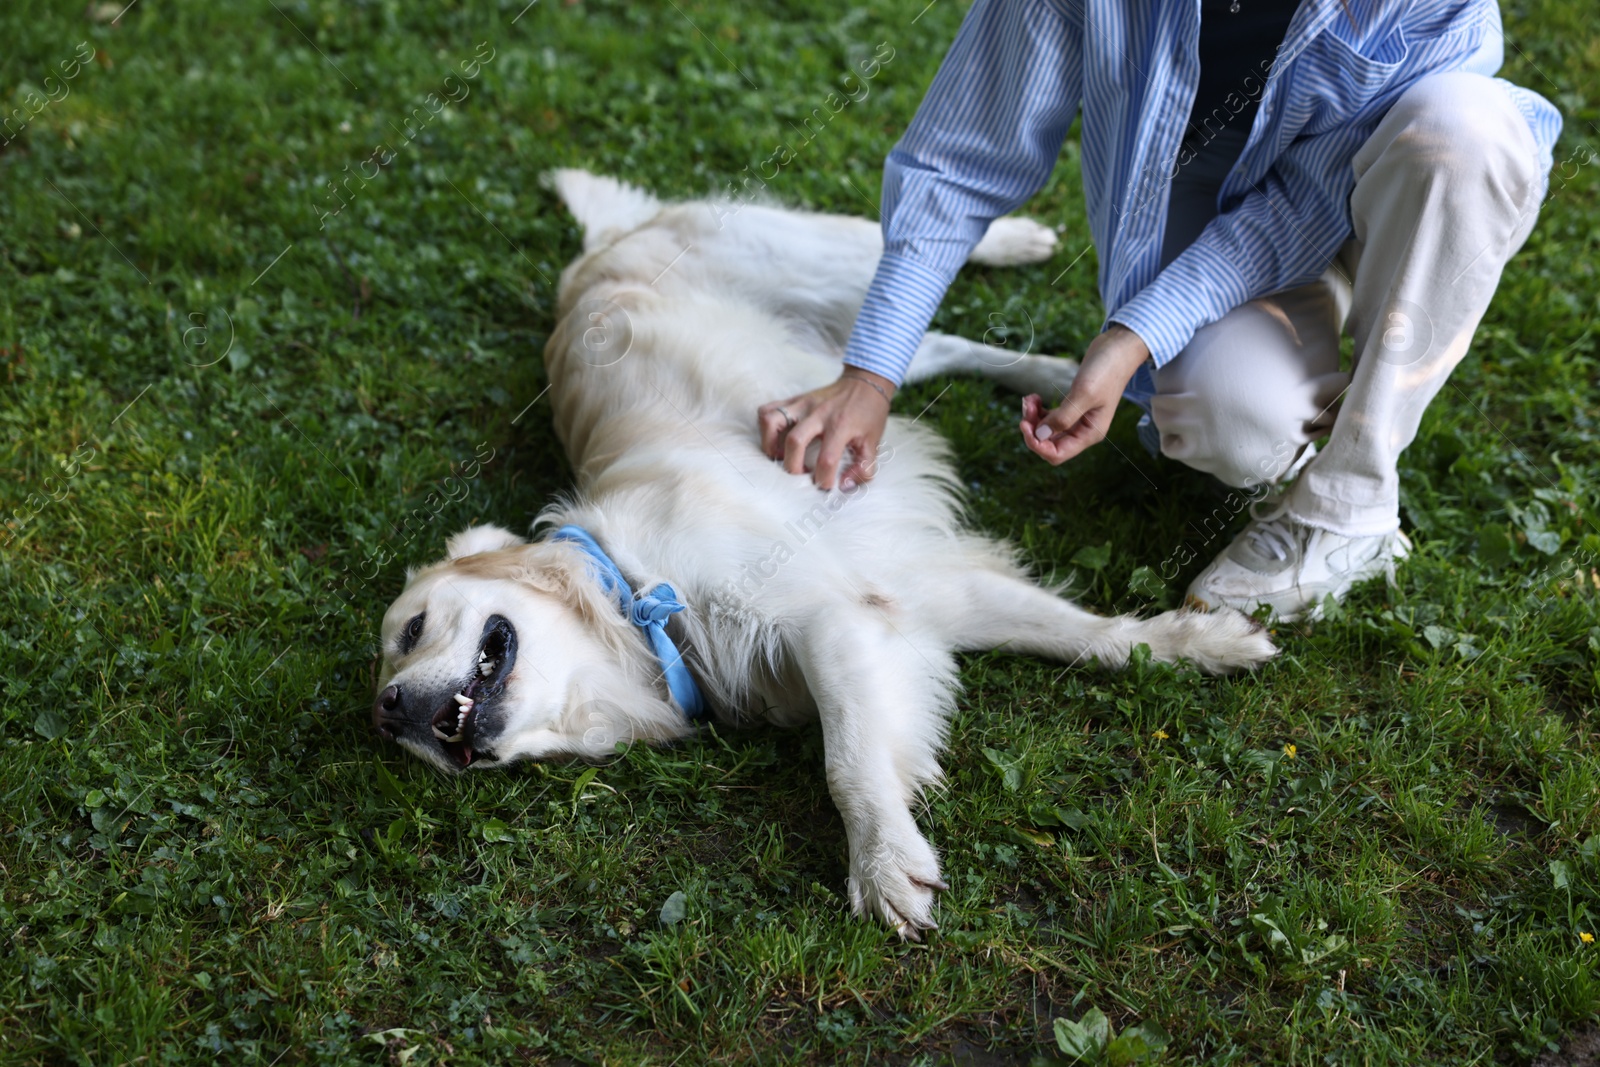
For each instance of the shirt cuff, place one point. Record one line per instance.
(1196, 289)
(894, 317)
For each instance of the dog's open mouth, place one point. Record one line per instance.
(455, 724)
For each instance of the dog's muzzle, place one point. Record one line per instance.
(387, 713)
(453, 721)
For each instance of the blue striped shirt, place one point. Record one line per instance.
(991, 126)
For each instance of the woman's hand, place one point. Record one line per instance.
(849, 413)
(1085, 415)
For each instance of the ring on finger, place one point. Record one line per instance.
(789, 419)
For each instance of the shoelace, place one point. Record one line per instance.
(1271, 529)
(1270, 533)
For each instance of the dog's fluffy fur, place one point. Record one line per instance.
(675, 323)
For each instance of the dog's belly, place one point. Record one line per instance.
(632, 354)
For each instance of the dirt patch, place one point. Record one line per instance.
(1581, 1050)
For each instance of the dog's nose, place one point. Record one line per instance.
(386, 712)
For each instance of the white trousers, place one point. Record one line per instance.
(1447, 189)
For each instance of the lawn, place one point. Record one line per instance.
(270, 325)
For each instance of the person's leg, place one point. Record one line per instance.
(1251, 390)
(1447, 189)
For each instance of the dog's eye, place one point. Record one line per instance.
(409, 636)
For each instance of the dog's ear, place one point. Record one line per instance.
(475, 539)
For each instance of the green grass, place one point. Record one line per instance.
(205, 854)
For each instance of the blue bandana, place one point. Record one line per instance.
(648, 611)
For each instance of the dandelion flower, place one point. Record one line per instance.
(1586, 938)
(1289, 752)
(1160, 735)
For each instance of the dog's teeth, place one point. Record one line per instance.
(486, 669)
(464, 701)
(440, 734)
(482, 655)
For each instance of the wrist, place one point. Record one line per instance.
(883, 386)
(1129, 344)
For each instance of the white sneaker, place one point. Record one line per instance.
(1290, 567)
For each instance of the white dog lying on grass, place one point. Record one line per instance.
(691, 576)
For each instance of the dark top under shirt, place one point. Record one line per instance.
(1236, 52)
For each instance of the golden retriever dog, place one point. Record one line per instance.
(689, 576)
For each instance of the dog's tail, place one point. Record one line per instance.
(605, 208)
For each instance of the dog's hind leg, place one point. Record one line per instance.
(942, 353)
(999, 611)
(1013, 241)
(882, 693)
(827, 243)
(817, 267)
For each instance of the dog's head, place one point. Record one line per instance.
(506, 650)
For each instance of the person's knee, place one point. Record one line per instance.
(1237, 447)
(1241, 432)
(1462, 127)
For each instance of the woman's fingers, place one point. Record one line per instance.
(826, 473)
(1087, 431)
(1084, 417)
(776, 419)
(797, 440)
(867, 456)
(845, 416)
(831, 468)
(1041, 430)
(1048, 450)
(770, 425)
(1058, 435)
(1032, 411)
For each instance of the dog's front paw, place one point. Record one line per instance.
(1015, 240)
(896, 878)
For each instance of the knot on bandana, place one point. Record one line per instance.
(648, 611)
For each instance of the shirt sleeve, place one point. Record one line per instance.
(1283, 233)
(984, 139)
(1287, 230)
